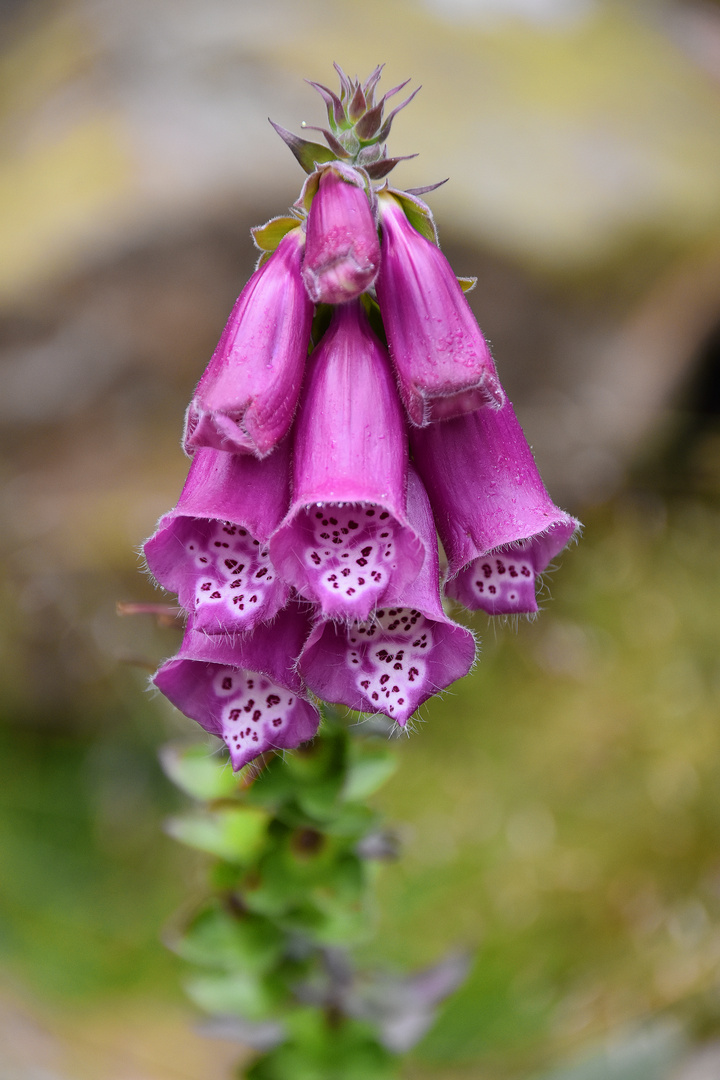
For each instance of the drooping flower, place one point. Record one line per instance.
(442, 360)
(244, 689)
(498, 525)
(346, 541)
(342, 250)
(408, 650)
(212, 549)
(245, 401)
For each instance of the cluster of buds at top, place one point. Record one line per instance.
(350, 413)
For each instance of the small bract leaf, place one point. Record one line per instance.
(307, 153)
(218, 939)
(467, 284)
(267, 237)
(369, 768)
(376, 170)
(233, 833)
(418, 214)
(198, 772)
(236, 994)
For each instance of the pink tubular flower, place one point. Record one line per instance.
(245, 401)
(346, 541)
(212, 548)
(497, 523)
(402, 656)
(244, 690)
(342, 252)
(442, 360)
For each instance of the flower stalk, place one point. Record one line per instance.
(350, 413)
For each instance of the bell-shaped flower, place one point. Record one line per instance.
(443, 363)
(408, 650)
(346, 541)
(212, 549)
(342, 250)
(246, 399)
(498, 525)
(244, 689)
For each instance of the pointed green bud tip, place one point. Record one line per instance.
(358, 127)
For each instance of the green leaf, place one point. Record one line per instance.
(217, 938)
(199, 772)
(321, 1051)
(234, 833)
(236, 994)
(467, 284)
(370, 767)
(267, 237)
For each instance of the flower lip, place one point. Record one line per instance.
(244, 689)
(212, 549)
(246, 399)
(443, 362)
(405, 653)
(498, 525)
(342, 250)
(346, 539)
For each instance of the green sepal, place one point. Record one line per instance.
(199, 772)
(234, 833)
(417, 212)
(267, 237)
(368, 769)
(238, 994)
(308, 154)
(467, 284)
(216, 938)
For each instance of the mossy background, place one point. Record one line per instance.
(559, 809)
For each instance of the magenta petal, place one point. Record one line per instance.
(406, 653)
(244, 690)
(442, 360)
(498, 525)
(245, 401)
(342, 253)
(212, 549)
(346, 542)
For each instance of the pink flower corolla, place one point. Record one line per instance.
(212, 549)
(244, 689)
(246, 399)
(408, 650)
(443, 363)
(498, 525)
(342, 250)
(346, 541)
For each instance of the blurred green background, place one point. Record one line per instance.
(560, 808)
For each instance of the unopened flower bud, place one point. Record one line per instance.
(342, 251)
